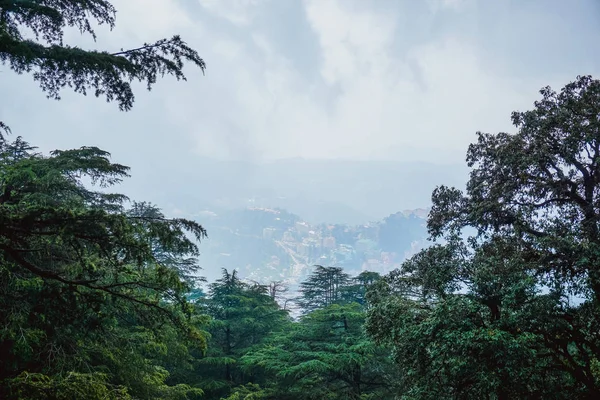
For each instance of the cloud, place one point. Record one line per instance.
(238, 12)
(317, 79)
(352, 43)
(369, 100)
(438, 5)
(151, 18)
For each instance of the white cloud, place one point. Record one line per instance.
(438, 5)
(238, 12)
(353, 43)
(376, 104)
(367, 97)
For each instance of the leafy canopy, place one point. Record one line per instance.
(323, 287)
(93, 295)
(511, 312)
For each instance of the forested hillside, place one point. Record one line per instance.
(102, 297)
(273, 244)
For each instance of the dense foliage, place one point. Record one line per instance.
(513, 310)
(243, 315)
(101, 298)
(84, 281)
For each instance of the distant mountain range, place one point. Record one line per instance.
(268, 244)
(260, 216)
(331, 191)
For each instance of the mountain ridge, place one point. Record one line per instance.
(275, 244)
(332, 191)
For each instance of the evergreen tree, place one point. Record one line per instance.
(356, 290)
(243, 315)
(81, 281)
(56, 65)
(324, 356)
(324, 287)
(92, 295)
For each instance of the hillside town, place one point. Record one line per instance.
(298, 246)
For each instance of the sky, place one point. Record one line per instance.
(325, 79)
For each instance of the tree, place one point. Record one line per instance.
(247, 392)
(541, 186)
(276, 289)
(243, 315)
(56, 65)
(323, 287)
(356, 290)
(495, 315)
(451, 339)
(324, 356)
(93, 297)
(82, 279)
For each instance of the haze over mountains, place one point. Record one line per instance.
(319, 191)
(271, 244)
(275, 220)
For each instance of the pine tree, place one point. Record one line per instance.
(82, 279)
(324, 287)
(324, 356)
(92, 295)
(243, 314)
(358, 286)
(56, 65)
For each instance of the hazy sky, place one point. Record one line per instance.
(402, 80)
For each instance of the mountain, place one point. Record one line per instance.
(268, 244)
(321, 191)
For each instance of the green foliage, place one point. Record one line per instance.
(511, 312)
(90, 386)
(244, 314)
(246, 392)
(324, 356)
(323, 287)
(460, 346)
(356, 289)
(72, 386)
(93, 296)
(56, 65)
(86, 285)
(101, 301)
